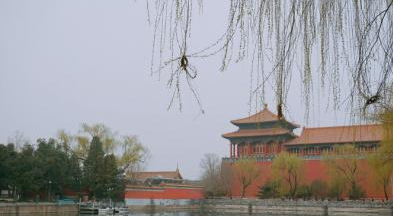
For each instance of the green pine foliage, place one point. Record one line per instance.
(102, 176)
(269, 190)
(46, 171)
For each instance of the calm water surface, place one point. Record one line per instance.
(209, 214)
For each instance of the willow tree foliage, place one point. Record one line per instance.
(386, 148)
(246, 172)
(382, 172)
(344, 166)
(324, 42)
(287, 170)
(381, 161)
(130, 153)
(134, 154)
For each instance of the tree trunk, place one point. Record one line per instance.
(293, 191)
(230, 193)
(385, 192)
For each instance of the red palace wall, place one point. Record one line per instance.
(314, 170)
(164, 193)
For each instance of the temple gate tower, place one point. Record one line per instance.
(261, 135)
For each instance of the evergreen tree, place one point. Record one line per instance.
(28, 172)
(8, 158)
(114, 184)
(53, 164)
(269, 190)
(54, 167)
(74, 179)
(94, 169)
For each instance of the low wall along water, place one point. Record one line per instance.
(303, 207)
(38, 209)
(230, 206)
(268, 206)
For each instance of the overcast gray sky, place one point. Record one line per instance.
(63, 63)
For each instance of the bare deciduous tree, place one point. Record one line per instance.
(18, 139)
(226, 178)
(211, 173)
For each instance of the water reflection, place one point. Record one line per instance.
(246, 214)
(199, 213)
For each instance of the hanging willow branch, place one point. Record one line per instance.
(354, 39)
(172, 30)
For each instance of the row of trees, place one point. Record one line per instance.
(46, 169)
(218, 178)
(92, 162)
(344, 168)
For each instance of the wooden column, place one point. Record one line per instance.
(230, 150)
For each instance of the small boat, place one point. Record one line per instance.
(121, 210)
(106, 211)
(88, 210)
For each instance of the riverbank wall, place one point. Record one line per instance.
(303, 207)
(272, 206)
(37, 209)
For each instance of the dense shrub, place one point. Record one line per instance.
(269, 190)
(319, 189)
(304, 192)
(356, 192)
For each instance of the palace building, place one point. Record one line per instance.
(164, 188)
(264, 135)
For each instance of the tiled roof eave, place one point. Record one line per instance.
(332, 143)
(237, 123)
(240, 135)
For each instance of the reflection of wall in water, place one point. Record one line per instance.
(159, 202)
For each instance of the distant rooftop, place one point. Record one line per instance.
(339, 134)
(159, 174)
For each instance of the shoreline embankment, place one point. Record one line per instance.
(227, 206)
(305, 207)
(39, 208)
(275, 206)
